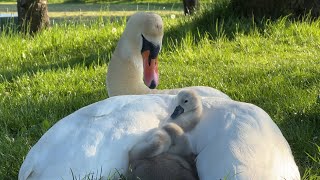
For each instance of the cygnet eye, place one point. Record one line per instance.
(185, 101)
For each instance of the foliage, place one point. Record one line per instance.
(273, 64)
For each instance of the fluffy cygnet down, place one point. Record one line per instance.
(165, 153)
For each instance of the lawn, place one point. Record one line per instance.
(274, 64)
(96, 7)
(76, 12)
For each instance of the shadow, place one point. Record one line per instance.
(221, 19)
(8, 24)
(301, 129)
(7, 8)
(275, 8)
(116, 6)
(106, 6)
(87, 20)
(216, 20)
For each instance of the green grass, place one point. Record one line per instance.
(111, 6)
(90, 11)
(102, 1)
(273, 64)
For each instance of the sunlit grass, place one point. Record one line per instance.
(273, 64)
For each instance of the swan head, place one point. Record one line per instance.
(145, 32)
(188, 109)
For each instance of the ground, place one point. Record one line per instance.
(271, 63)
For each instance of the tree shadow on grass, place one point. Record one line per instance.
(213, 20)
(220, 20)
(112, 6)
(80, 20)
(301, 129)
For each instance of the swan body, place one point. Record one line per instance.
(133, 67)
(232, 139)
(236, 140)
(96, 137)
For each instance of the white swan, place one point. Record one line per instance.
(236, 140)
(96, 137)
(233, 139)
(133, 68)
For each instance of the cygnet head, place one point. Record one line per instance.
(188, 110)
(144, 31)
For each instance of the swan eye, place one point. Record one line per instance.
(185, 101)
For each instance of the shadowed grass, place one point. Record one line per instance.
(114, 6)
(273, 64)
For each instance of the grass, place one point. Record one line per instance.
(273, 64)
(86, 12)
(102, 1)
(94, 7)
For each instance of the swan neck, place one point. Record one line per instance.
(125, 75)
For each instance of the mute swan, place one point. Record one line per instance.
(96, 137)
(232, 139)
(165, 151)
(133, 68)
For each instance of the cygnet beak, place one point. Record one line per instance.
(177, 112)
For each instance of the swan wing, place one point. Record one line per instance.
(236, 140)
(95, 139)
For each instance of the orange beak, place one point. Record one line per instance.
(150, 70)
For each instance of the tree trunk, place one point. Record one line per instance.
(32, 15)
(190, 6)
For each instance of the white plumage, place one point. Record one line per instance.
(240, 141)
(233, 139)
(94, 137)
